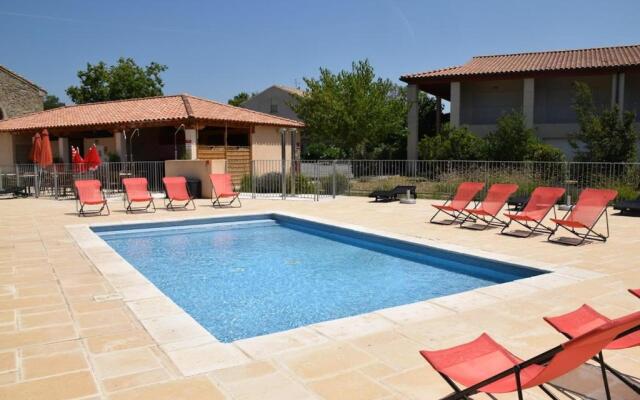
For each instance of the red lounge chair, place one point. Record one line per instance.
(585, 319)
(89, 193)
(541, 202)
(487, 211)
(137, 191)
(454, 206)
(222, 188)
(177, 190)
(482, 365)
(635, 292)
(591, 205)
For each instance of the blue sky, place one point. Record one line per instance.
(216, 49)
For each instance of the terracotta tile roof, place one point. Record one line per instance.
(563, 60)
(151, 109)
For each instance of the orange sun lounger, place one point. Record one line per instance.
(585, 319)
(591, 206)
(455, 205)
(177, 191)
(541, 202)
(483, 365)
(89, 193)
(222, 188)
(137, 191)
(487, 211)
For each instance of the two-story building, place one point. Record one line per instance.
(539, 84)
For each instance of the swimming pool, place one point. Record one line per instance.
(241, 277)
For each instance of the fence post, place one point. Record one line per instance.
(55, 180)
(333, 179)
(253, 179)
(316, 180)
(36, 182)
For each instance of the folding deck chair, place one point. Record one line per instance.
(89, 193)
(541, 202)
(591, 206)
(222, 188)
(585, 319)
(455, 205)
(137, 191)
(177, 190)
(483, 365)
(488, 210)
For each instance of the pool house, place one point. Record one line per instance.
(161, 128)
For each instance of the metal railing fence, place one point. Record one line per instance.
(57, 180)
(317, 179)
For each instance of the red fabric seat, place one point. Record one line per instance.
(455, 206)
(635, 292)
(136, 189)
(176, 188)
(585, 319)
(222, 188)
(482, 365)
(497, 196)
(590, 207)
(90, 193)
(476, 361)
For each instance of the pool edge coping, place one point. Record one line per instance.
(194, 350)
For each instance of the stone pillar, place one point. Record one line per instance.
(191, 144)
(412, 122)
(7, 148)
(121, 145)
(438, 114)
(528, 101)
(621, 92)
(63, 149)
(614, 89)
(455, 104)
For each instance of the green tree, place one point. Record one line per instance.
(604, 135)
(52, 101)
(240, 98)
(453, 143)
(427, 115)
(514, 141)
(124, 80)
(355, 112)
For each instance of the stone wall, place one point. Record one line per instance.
(18, 97)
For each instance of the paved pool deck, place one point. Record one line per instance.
(71, 328)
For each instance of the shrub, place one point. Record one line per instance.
(272, 183)
(543, 152)
(342, 184)
(603, 135)
(452, 143)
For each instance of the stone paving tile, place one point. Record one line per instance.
(64, 335)
(58, 387)
(124, 362)
(349, 386)
(41, 366)
(183, 389)
(318, 361)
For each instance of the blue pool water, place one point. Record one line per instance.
(243, 277)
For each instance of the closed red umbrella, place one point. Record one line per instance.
(77, 160)
(36, 148)
(46, 156)
(93, 158)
